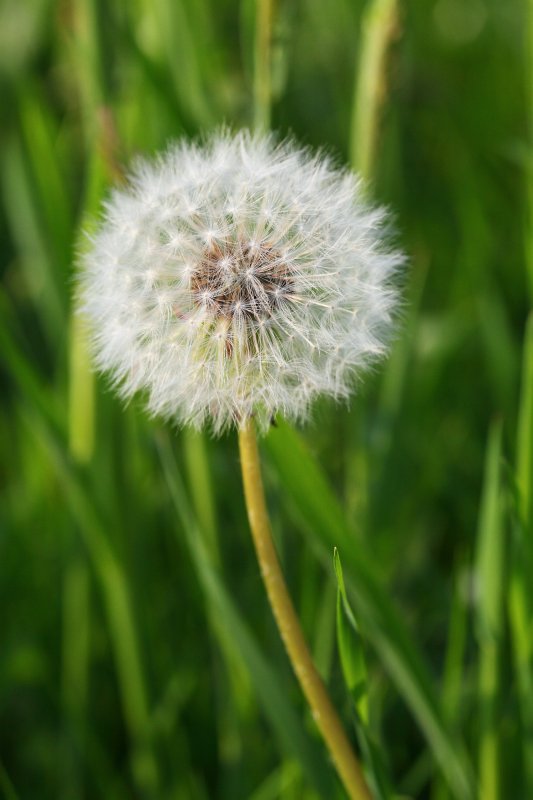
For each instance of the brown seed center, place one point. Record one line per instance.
(240, 279)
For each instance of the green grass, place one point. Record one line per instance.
(138, 657)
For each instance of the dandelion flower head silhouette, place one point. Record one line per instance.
(239, 277)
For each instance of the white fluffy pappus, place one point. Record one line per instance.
(235, 278)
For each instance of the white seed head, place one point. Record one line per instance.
(237, 278)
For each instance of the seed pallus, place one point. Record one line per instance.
(240, 278)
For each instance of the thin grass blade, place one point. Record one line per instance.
(311, 500)
(489, 570)
(294, 742)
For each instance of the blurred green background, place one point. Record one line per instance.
(138, 657)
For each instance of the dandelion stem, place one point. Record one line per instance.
(288, 624)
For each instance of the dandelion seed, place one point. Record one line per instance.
(248, 278)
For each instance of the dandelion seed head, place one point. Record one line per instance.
(240, 277)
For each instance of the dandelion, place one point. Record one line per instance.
(233, 281)
(239, 279)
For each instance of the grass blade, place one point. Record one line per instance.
(379, 26)
(75, 660)
(355, 676)
(117, 600)
(269, 692)
(453, 680)
(8, 790)
(521, 591)
(201, 488)
(490, 566)
(524, 445)
(350, 646)
(312, 501)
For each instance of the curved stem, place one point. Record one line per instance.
(288, 624)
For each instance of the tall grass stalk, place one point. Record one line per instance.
(81, 433)
(529, 164)
(490, 571)
(81, 395)
(75, 658)
(264, 20)
(520, 590)
(454, 670)
(379, 26)
(201, 489)
(101, 143)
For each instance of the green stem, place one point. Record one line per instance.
(288, 623)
